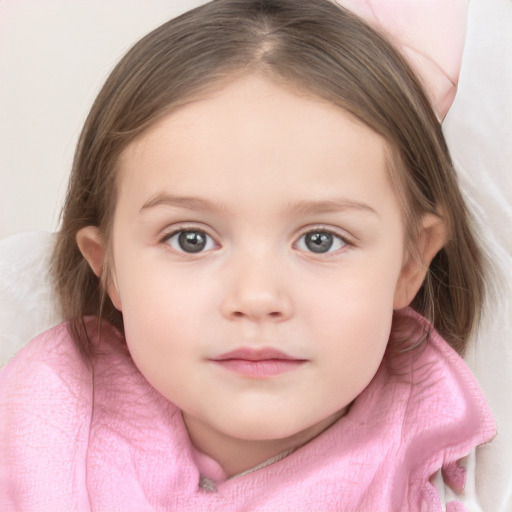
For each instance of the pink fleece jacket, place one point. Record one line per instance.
(75, 438)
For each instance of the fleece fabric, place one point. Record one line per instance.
(99, 438)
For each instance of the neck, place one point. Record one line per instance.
(237, 455)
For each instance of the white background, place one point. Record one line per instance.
(54, 57)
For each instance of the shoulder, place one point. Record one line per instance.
(444, 413)
(423, 412)
(40, 369)
(45, 409)
(442, 393)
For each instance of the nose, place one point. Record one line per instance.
(257, 291)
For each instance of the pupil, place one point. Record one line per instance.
(319, 242)
(192, 241)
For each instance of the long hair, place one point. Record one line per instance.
(317, 46)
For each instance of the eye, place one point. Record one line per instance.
(190, 241)
(320, 242)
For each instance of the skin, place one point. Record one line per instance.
(254, 167)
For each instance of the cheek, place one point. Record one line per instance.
(353, 314)
(355, 337)
(362, 289)
(162, 334)
(161, 304)
(165, 310)
(358, 328)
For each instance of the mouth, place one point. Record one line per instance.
(258, 363)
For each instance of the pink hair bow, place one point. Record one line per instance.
(429, 33)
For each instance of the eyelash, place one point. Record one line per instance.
(346, 241)
(180, 230)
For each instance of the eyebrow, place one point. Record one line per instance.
(330, 206)
(188, 202)
(303, 207)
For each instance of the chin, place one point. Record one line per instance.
(256, 430)
(265, 428)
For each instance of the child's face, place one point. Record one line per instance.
(260, 221)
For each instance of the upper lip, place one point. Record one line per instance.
(256, 354)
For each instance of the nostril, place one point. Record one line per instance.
(256, 305)
(241, 314)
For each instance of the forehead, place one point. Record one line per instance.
(255, 136)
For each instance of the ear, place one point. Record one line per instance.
(93, 249)
(430, 239)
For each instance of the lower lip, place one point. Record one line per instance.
(259, 369)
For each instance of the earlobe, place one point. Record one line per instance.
(93, 249)
(430, 240)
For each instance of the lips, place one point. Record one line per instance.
(251, 354)
(258, 363)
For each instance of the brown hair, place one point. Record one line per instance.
(316, 46)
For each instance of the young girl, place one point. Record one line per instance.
(260, 192)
